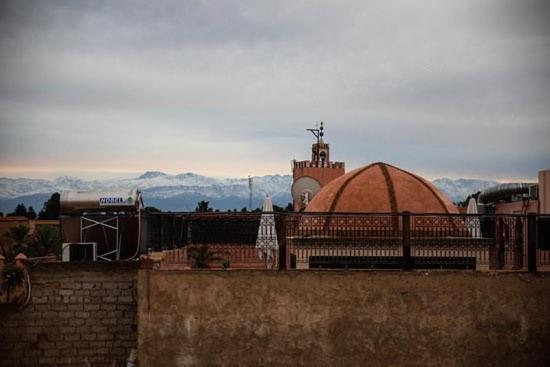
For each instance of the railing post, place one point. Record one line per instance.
(189, 238)
(406, 221)
(281, 219)
(532, 242)
(286, 228)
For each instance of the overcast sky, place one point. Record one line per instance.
(227, 88)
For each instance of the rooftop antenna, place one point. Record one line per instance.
(249, 193)
(318, 133)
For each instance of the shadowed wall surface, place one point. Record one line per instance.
(323, 318)
(79, 315)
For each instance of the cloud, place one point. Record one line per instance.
(228, 87)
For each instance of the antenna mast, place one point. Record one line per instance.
(249, 193)
(318, 133)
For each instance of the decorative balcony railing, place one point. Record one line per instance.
(361, 240)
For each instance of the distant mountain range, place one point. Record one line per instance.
(182, 192)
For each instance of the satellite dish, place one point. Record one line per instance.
(305, 187)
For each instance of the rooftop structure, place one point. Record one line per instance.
(380, 188)
(310, 176)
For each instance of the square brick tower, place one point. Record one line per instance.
(310, 176)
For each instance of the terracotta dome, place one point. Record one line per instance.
(380, 188)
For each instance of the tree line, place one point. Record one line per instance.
(50, 210)
(204, 206)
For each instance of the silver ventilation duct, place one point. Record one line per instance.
(503, 191)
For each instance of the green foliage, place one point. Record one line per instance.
(51, 208)
(19, 234)
(202, 255)
(31, 214)
(280, 209)
(152, 209)
(203, 207)
(46, 241)
(20, 211)
(226, 263)
(12, 275)
(464, 204)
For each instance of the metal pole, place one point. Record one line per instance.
(118, 242)
(249, 193)
(532, 242)
(407, 260)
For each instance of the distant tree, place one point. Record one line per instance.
(51, 208)
(20, 211)
(1, 214)
(464, 204)
(152, 209)
(244, 210)
(31, 214)
(280, 209)
(203, 207)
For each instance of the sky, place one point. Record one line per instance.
(224, 88)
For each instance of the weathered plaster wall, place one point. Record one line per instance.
(79, 315)
(339, 318)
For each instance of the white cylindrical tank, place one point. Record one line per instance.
(81, 201)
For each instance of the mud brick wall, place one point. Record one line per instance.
(343, 318)
(80, 315)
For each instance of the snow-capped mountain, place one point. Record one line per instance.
(182, 192)
(168, 192)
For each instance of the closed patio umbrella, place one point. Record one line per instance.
(474, 225)
(266, 243)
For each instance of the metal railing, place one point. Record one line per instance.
(365, 240)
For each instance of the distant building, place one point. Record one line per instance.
(517, 198)
(310, 176)
(320, 185)
(381, 188)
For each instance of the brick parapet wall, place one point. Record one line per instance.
(79, 314)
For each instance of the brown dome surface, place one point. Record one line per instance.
(381, 188)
